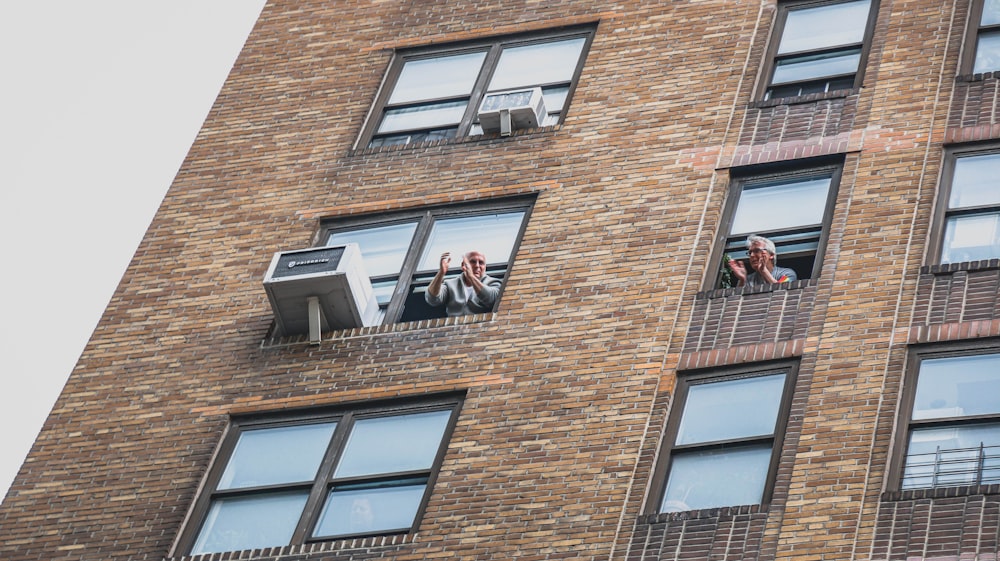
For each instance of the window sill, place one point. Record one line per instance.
(950, 268)
(395, 148)
(940, 492)
(801, 99)
(749, 290)
(282, 552)
(272, 341)
(718, 512)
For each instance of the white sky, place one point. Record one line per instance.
(100, 101)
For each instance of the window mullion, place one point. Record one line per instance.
(399, 295)
(318, 492)
(479, 90)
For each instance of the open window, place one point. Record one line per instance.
(967, 224)
(724, 438)
(953, 420)
(401, 251)
(435, 93)
(324, 475)
(791, 208)
(820, 47)
(982, 50)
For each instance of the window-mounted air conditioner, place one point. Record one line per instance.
(320, 289)
(508, 110)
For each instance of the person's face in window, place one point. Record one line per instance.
(759, 256)
(478, 263)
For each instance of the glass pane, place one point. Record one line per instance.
(416, 136)
(943, 457)
(991, 12)
(383, 248)
(493, 235)
(987, 53)
(958, 386)
(555, 98)
(278, 455)
(393, 444)
(731, 409)
(715, 478)
(975, 181)
(365, 511)
(239, 523)
(434, 78)
(824, 26)
(530, 65)
(423, 116)
(781, 205)
(971, 238)
(816, 66)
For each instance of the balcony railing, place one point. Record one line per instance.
(952, 467)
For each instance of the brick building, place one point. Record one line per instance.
(620, 401)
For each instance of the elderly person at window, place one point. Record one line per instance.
(473, 292)
(762, 259)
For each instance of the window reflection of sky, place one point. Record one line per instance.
(493, 235)
(784, 205)
(439, 77)
(530, 65)
(958, 386)
(383, 248)
(975, 181)
(731, 409)
(824, 26)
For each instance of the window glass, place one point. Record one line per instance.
(360, 510)
(542, 63)
(276, 455)
(718, 477)
(494, 235)
(958, 386)
(439, 77)
(423, 116)
(255, 521)
(971, 228)
(816, 66)
(975, 182)
(781, 205)
(971, 238)
(731, 409)
(991, 12)
(393, 444)
(959, 455)
(824, 26)
(987, 53)
(383, 248)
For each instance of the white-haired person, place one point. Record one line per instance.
(472, 292)
(763, 257)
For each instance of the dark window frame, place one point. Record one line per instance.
(946, 183)
(772, 57)
(916, 356)
(661, 470)
(741, 178)
(409, 276)
(975, 29)
(492, 47)
(323, 481)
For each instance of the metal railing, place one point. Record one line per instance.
(952, 467)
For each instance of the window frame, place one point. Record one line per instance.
(740, 179)
(945, 184)
(492, 46)
(409, 275)
(661, 471)
(345, 416)
(905, 421)
(771, 56)
(974, 30)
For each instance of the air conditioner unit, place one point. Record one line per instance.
(320, 289)
(508, 110)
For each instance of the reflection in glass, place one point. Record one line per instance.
(961, 455)
(781, 205)
(555, 98)
(958, 386)
(816, 66)
(824, 26)
(256, 521)
(383, 248)
(355, 510)
(414, 136)
(731, 409)
(971, 238)
(491, 234)
(393, 444)
(277, 455)
(423, 116)
(975, 181)
(531, 65)
(435, 78)
(714, 478)
(987, 53)
(991, 12)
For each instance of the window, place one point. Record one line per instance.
(401, 251)
(434, 94)
(725, 434)
(953, 434)
(296, 479)
(821, 47)
(985, 36)
(792, 209)
(968, 220)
